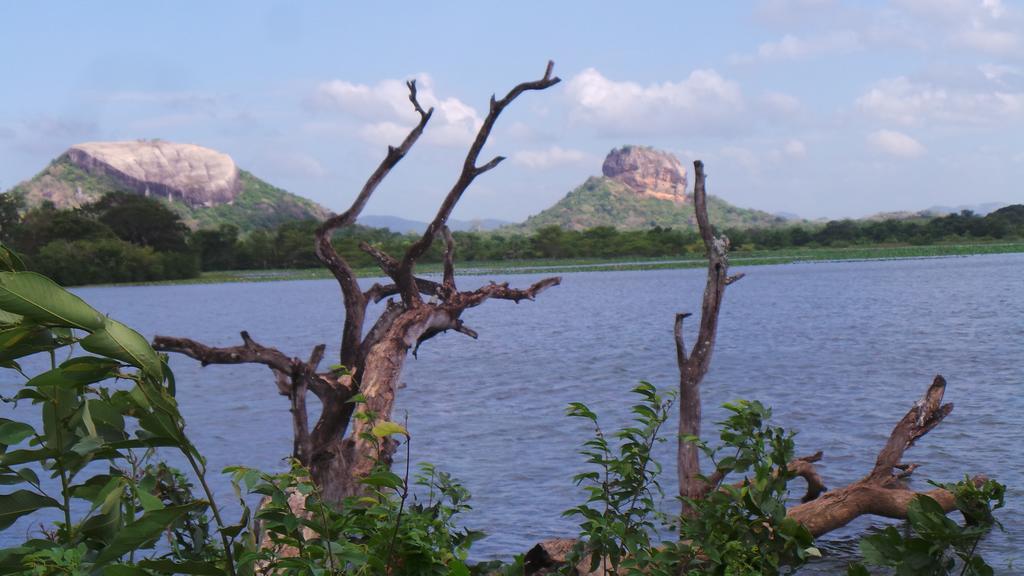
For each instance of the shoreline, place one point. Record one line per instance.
(539, 266)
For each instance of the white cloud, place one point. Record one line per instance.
(548, 158)
(387, 114)
(791, 47)
(998, 72)
(985, 25)
(185, 100)
(987, 39)
(744, 157)
(299, 164)
(51, 135)
(781, 102)
(279, 162)
(790, 8)
(795, 149)
(908, 103)
(895, 143)
(704, 100)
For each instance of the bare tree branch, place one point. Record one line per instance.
(248, 353)
(926, 414)
(804, 468)
(694, 365)
(354, 300)
(503, 292)
(882, 492)
(410, 294)
(337, 450)
(678, 334)
(449, 256)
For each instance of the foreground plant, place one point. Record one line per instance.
(939, 545)
(136, 515)
(387, 531)
(111, 409)
(742, 527)
(619, 513)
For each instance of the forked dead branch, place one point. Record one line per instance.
(883, 492)
(335, 450)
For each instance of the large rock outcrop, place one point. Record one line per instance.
(187, 173)
(647, 172)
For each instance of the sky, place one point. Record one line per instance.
(820, 108)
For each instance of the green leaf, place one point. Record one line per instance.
(12, 432)
(9, 260)
(383, 478)
(385, 429)
(87, 445)
(15, 457)
(143, 531)
(149, 501)
(24, 340)
(22, 502)
(115, 340)
(37, 297)
(9, 318)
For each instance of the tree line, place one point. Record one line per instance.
(120, 238)
(129, 238)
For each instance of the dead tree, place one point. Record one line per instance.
(373, 359)
(694, 365)
(882, 492)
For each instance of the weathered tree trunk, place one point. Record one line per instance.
(374, 360)
(883, 492)
(693, 366)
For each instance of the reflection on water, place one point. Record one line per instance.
(840, 350)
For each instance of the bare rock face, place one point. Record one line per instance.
(185, 173)
(648, 172)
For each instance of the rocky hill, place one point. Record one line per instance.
(647, 172)
(202, 185)
(641, 188)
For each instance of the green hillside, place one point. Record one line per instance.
(604, 202)
(258, 205)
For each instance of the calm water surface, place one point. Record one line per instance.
(840, 350)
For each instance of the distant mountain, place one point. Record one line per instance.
(641, 188)
(934, 211)
(979, 209)
(402, 225)
(202, 185)
(606, 202)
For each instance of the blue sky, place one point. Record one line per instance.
(821, 108)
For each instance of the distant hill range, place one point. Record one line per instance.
(202, 185)
(640, 188)
(402, 225)
(929, 213)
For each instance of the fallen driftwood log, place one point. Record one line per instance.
(882, 492)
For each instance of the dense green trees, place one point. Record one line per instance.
(121, 238)
(130, 238)
(1006, 223)
(141, 221)
(289, 245)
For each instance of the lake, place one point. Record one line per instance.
(839, 350)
